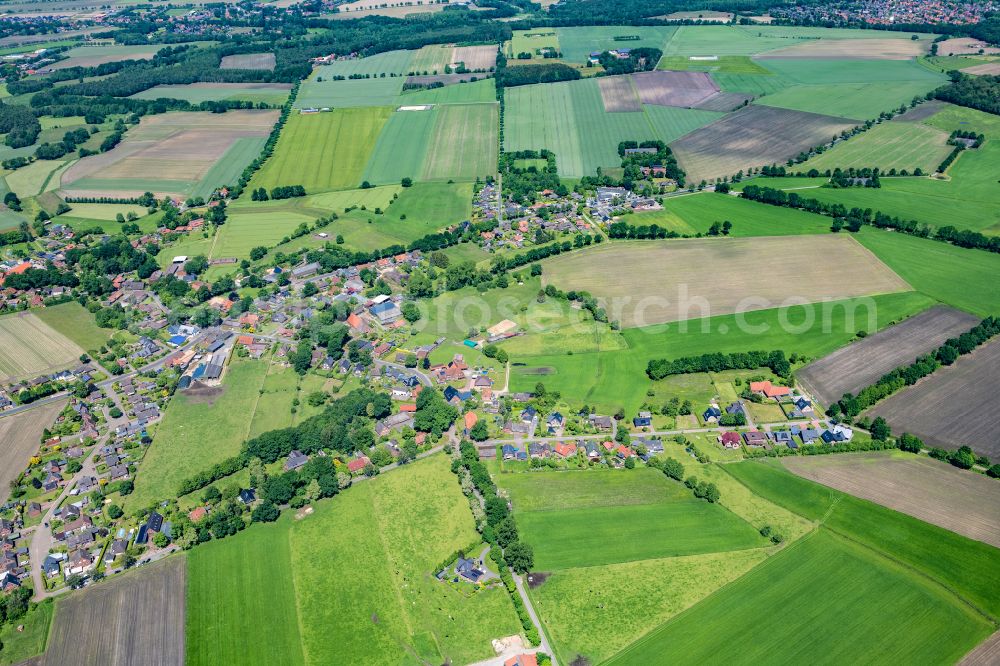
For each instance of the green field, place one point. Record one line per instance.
(375, 598)
(229, 168)
(617, 379)
(431, 59)
(530, 41)
(574, 519)
(722, 40)
(179, 450)
(323, 151)
(106, 212)
(248, 228)
(858, 101)
(464, 143)
(942, 271)
(401, 149)
(19, 646)
(229, 581)
(830, 71)
(577, 44)
(275, 94)
(569, 119)
(891, 145)
(753, 84)
(696, 213)
(399, 63)
(732, 64)
(76, 323)
(776, 614)
(473, 92)
(349, 93)
(969, 569)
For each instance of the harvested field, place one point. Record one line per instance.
(20, 436)
(674, 88)
(170, 153)
(724, 102)
(962, 45)
(922, 112)
(751, 137)
(946, 409)
(141, 620)
(31, 347)
(618, 94)
(248, 61)
(92, 56)
(851, 368)
(987, 69)
(475, 57)
(922, 487)
(682, 279)
(858, 49)
(271, 93)
(987, 654)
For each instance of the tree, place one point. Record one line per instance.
(407, 182)
(910, 443)
(265, 512)
(211, 495)
(161, 540)
(302, 358)
(712, 493)
(115, 512)
(258, 253)
(309, 289)
(520, 556)
(506, 531)
(673, 468)
(313, 491)
(257, 472)
(880, 430)
(630, 462)
(411, 312)
(479, 432)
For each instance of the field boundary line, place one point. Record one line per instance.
(909, 567)
(649, 635)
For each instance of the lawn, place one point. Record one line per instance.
(573, 602)
(323, 151)
(246, 576)
(970, 569)
(942, 271)
(401, 149)
(464, 143)
(397, 612)
(76, 323)
(823, 576)
(179, 447)
(889, 145)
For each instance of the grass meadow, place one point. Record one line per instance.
(229, 581)
(857, 101)
(19, 646)
(583, 519)
(775, 609)
(179, 447)
(76, 323)
(269, 93)
(969, 569)
(246, 229)
(482, 92)
(696, 213)
(577, 43)
(464, 143)
(323, 151)
(31, 347)
(401, 149)
(889, 145)
(350, 93)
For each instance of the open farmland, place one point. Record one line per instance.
(247, 229)
(141, 615)
(93, 56)
(858, 101)
(20, 437)
(173, 153)
(475, 58)
(577, 43)
(890, 145)
(618, 94)
(464, 144)
(824, 575)
(76, 323)
(248, 61)
(860, 364)
(349, 93)
(582, 524)
(946, 409)
(677, 278)
(570, 119)
(269, 93)
(323, 151)
(221, 415)
(401, 149)
(674, 88)
(753, 136)
(928, 489)
(887, 49)
(31, 347)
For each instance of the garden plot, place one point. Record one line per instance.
(674, 88)
(949, 408)
(860, 364)
(663, 281)
(618, 94)
(167, 154)
(930, 490)
(751, 137)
